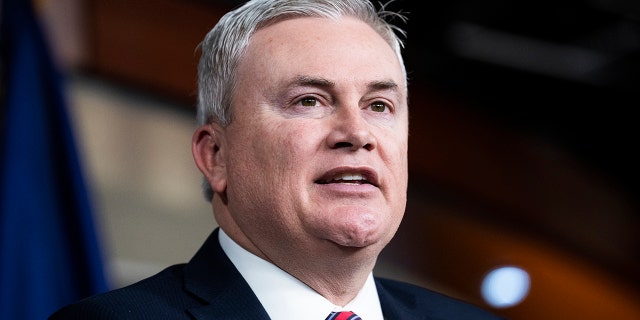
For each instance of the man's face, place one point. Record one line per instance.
(316, 152)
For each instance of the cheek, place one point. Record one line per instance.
(395, 158)
(292, 145)
(272, 159)
(274, 156)
(394, 153)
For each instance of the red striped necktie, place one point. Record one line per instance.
(343, 315)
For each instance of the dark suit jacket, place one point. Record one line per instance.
(210, 287)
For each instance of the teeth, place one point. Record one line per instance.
(349, 177)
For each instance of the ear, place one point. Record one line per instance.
(208, 148)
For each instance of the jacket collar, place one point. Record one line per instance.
(212, 278)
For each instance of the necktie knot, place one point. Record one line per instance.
(343, 315)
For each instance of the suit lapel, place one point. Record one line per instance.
(397, 305)
(213, 279)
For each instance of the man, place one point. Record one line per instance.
(303, 147)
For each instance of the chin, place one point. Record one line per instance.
(350, 226)
(359, 235)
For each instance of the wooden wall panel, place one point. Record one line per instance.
(150, 44)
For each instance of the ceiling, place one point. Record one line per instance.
(567, 71)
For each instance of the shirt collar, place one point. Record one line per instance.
(273, 285)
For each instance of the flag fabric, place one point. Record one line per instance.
(49, 250)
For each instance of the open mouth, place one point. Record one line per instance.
(354, 178)
(350, 178)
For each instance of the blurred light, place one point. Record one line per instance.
(528, 54)
(505, 286)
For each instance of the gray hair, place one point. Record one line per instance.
(225, 44)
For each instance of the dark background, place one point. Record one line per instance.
(562, 73)
(567, 71)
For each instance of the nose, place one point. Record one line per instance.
(351, 131)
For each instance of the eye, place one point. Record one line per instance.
(308, 102)
(379, 106)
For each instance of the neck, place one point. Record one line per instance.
(338, 278)
(336, 272)
(339, 292)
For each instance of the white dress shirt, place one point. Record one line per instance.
(285, 297)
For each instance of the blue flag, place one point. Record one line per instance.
(49, 252)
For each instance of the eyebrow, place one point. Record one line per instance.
(382, 85)
(325, 83)
(308, 81)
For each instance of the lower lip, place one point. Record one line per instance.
(348, 188)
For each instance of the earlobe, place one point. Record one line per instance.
(208, 147)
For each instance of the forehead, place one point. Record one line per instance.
(318, 27)
(331, 48)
